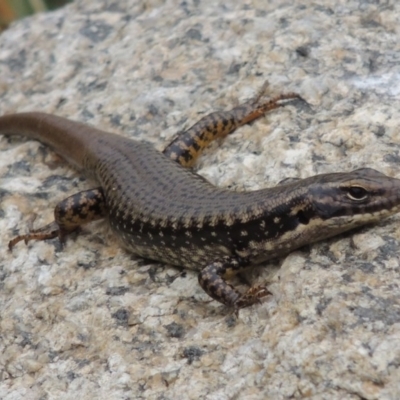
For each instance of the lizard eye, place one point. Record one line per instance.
(357, 193)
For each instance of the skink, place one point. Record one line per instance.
(163, 211)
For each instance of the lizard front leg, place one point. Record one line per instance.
(188, 145)
(212, 280)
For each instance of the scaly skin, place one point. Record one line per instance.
(165, 212)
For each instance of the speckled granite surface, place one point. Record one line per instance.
(91, 321)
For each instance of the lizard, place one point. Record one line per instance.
(162, 210)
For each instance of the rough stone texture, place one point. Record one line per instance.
(91, 321)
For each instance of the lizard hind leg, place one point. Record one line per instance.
(69, 215)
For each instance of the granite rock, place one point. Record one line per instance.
(91, 321)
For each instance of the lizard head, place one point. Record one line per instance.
(347, 200)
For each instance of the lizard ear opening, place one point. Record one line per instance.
(302, 217)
